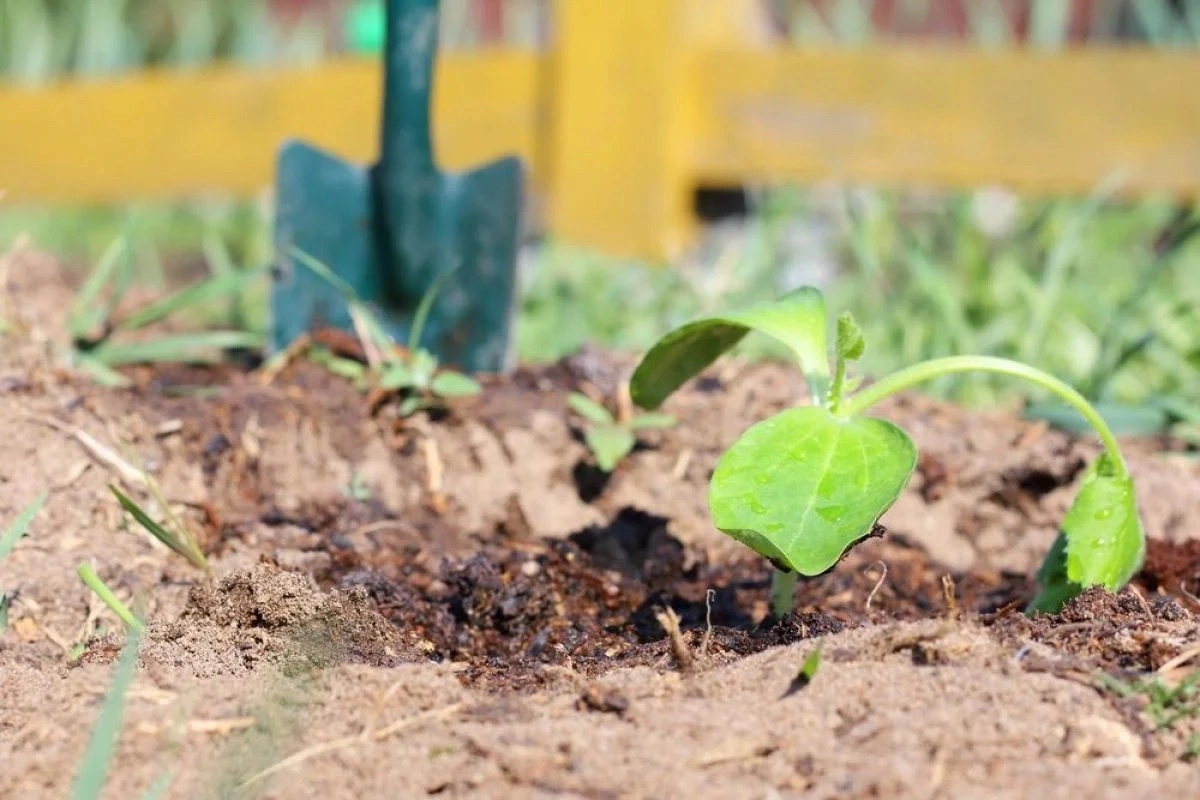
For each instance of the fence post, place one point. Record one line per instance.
(617, 177)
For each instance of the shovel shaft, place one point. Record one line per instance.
(406, 149)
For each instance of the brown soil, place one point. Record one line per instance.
(462, 606)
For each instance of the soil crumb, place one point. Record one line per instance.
(269, 616)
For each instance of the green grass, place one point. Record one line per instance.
(9, 536)
(1073, 286)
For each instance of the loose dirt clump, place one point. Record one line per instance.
(265, 616)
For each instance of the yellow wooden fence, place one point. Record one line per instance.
(637, 105)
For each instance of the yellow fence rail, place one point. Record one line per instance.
(638, 105)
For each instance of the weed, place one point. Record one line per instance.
(93, 581)
(412, 372)
(97, 328)
(8, 540)
(177, 537)
(1165, 703)
(802, 487)
(97, 759)
(611, 438)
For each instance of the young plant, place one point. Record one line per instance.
(413, 372)
(8, 540)
(611, 438)
(90, 579)
(802, 487)
(97, 331)
(175, 534)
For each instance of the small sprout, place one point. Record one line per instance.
(177, 538)
(358, 488)
(804, 486)
(100, 589)
(1166, 703)
(101, 749)
(95, 327)
(610, 439)
(413, 373)
(808, 671)
(8, 540)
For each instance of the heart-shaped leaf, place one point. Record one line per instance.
(1105, 542)
(803, 486)
(1100, 543)
(797, 319)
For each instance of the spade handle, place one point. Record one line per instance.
(406, 149)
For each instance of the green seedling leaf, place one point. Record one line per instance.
(89, 313)
(396, 375)
(200, 347)
(17, 528)
(803, 486)
(100, 373)
(97, 759)
(424, 307)
(646, 421)
(1055, 588)
(423, 366)
(322, 271)
(346, 368)
(609, 444)
(850, 342)
(410, 405)
(180, 545)
(797, 319)
(100, 589)
(1105, 541)
(589, 409)
(454, 384)
(193, 296)
(1100, 543)
(808, 671)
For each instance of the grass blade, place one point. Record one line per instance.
(98, 757)
(424, 307)
(322, 270)
(88, 313)
(189, 297)
(17, 528)
(182, 347)
(100, 589)
(589, 409)
(184, 546)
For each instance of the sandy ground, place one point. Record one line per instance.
(263, 682)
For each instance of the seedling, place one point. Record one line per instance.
(174, 534)
(100, 336)
(608, 437)
(413, 372)
(8, 540)
(102, 746)
(93, 581)
(1165, 704)
(802, 487)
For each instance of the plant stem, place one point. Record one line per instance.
(936, 368)
(783, 592)
(839, 380)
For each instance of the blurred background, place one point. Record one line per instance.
(1089, 277)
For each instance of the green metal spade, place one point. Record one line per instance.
(392, 230)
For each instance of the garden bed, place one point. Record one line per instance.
(464, 606)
